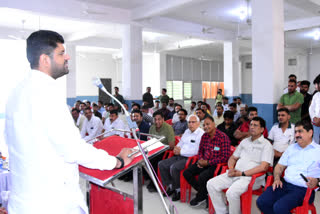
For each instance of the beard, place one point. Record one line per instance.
(58, 70)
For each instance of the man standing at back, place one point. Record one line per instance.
(119, 97)
(45, 151)
(147, 97)
(292, 101)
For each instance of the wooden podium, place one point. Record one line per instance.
(106, 199)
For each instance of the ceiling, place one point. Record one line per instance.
(99, 23)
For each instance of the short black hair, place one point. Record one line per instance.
(158, 113)
(136, 104)
(210, 118)
(291, 80)
(261, 121)
(239, 98)
(317, 80)
(116, 88)
(305, 124)
(157, 101)
(171, 98)
(88, 102)
(305, 82)
(110, 104)
(94, 105)
(184, 111)
(42, 42)
(114, 112)
(225, 98)
(193, 102)
(199, 102)
(219, 105)
(200, 109)
(233, 105)
(292, 75)
(75, 109)
(137, 111)
(144, 107)
(100, 102)
(165, 90)
(87, 108)
(228, 114)
(252, 108)
(283, 109)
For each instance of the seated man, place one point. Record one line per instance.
(96, 113)
(243, 115)
(114, 122)
(299, 158)
(109, 107)
(229, 127)
(214, 149)
(233, 108)
(92, 125)
(160, 128)
(165, 111)
(187, 147)
(180, 126)
(143, 126)
(204, 106)
(145, 115)
(218, 119)
(78, 118)
(253, 155)
(243, 131)
(281, 134)
(202, 115)
(175, 116)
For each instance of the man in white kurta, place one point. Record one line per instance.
(92, 126)
(45, 150)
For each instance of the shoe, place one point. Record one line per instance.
(168, 192)
(196, 202)
(176, 196)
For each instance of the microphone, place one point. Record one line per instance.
(132, 125)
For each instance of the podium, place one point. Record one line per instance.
(103, 197)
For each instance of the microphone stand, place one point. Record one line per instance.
(133, 127)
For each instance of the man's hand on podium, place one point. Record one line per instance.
(124, 155)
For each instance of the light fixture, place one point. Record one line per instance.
(316, 34)
(192, 42)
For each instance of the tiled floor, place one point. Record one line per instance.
(152, 201)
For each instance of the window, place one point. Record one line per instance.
(210, 89)
(179, 90)
(187, 90)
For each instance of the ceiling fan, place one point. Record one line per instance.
(206, 30)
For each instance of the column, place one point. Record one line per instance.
(71, 77)
(267, 57)
(132, 64)
(232, 77)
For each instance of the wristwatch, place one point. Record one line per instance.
(122, 162)
(243, 174)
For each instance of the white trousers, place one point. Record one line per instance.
(236, 185)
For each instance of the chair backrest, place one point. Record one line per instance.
(177, 139)
(169, 121)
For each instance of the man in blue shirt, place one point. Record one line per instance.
(136, 115)
(299, 158)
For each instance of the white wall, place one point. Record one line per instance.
(151, 73)
(90, 65)
(246, 75)
(313, 66)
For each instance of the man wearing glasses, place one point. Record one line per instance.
(180, 126)
(187, 147)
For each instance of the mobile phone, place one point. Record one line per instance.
(303, 177)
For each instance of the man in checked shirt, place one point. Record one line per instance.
(253, 155)
(214, 149)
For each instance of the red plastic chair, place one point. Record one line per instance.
(169, 122)
(304, 209)
(246, 198)
(167, 154)
(177, 140)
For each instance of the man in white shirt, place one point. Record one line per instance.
(281, 134)
(92, 126)
(78, 118)
(114, 122)
(187, 147)
(45, 151)
(314, 111)
(218, 119)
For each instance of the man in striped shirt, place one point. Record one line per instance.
(214, 149)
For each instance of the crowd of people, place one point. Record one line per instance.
(210, 133)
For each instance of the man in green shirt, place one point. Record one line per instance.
(164, 98)
(161, 128)
(292, 101)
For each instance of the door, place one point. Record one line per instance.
(103, 96)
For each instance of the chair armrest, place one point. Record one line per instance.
(219, 168)
(191, 160)
(253, 179)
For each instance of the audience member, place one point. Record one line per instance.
(219, 118)
(202, 115)
(77, 104)
(88, 104)
(314, 110)
(92, 126)
(147, 97)
(253, 155)
(109, 107)
(238, 102)
(192, 108)
(171, 104)
(199, 103)
(96, 113)
(281, 134)
(78, 118)
(219, 96)
(243, 131)
(291, 77)
(114, 122)
(160, 128)
(135, 106)
(175, 116)
(233, 108)
(292, 101)
(187, 147)
(180, 126)
(225, 103)
(164, 98)
(243, 115)
(165, 111)
(299, 158)
(204, 106)
(82, 107)
(146, 116)
(118, 97)
(229, 127)
(214, 149)
(100, 107)
(157, 106)
(143, 126)
(304, 88)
